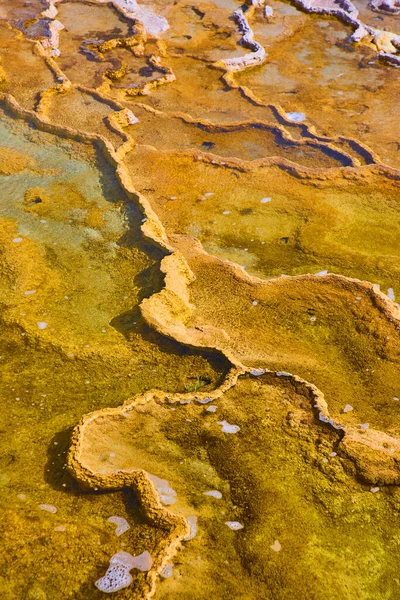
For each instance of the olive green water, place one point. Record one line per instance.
(223, 165)
(95, 352)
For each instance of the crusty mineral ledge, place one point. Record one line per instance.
(257, 55)
(86, 464)
(390, 7)
(153, 430)
(386, 42)
(202, 328)
(172, 310)
(131, 9)
(245, 318)
(375, 454)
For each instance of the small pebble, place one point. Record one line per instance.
(265, 200)
(374, 490)
(17, 240)
(226, 212)
(211, 408)
(42, 324)
(347, 408)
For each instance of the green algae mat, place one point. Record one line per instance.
(199, 264)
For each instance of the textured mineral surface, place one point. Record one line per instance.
(199, 265)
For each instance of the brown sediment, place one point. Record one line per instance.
(19, 52)
(166, 76)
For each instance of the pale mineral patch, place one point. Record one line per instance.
(122, 524)
(228, 428)
(192, 521)
(118, 575)
(167, 571)
(390, 294)
(298, 117)
(48, 507)
(167, 494)
(214, 494)
(234, 525)
(276, 546)
(153, 23)
(203, 400)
